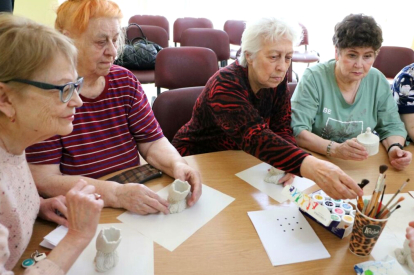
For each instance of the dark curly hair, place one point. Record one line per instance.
(357, 30)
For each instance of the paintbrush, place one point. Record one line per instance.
(393, 197)
(385, 212)
(360, 201)
(378, 188)
(372, 209)
(392, 211)
(380, 203)
(377, 203)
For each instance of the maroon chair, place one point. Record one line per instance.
(235, 29)
(184, 67)
(305, 56)
(174, 108)
(181, 24)
(216, 40)
(154, 34)
(292, 87)
(151, 20)
(391, 60)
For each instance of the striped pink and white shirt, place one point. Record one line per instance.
(106, 131)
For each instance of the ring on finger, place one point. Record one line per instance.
(97, 196)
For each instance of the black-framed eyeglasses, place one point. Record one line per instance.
(65, 91)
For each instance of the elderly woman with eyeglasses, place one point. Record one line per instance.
(246, 106)
(39, 90)
(114, 125)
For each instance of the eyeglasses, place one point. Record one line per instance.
(65, 91)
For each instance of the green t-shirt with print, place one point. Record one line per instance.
(319, 107)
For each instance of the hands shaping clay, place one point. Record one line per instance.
(177, 196)
(274, 175)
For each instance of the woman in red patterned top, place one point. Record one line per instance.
(246, 106)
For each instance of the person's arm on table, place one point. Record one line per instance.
(390, 128)
(348, 150)
(305, 105)
(250, 132)
(398, 158)
(330, 178)
(134, 197)
(83, 212)
(163, 156)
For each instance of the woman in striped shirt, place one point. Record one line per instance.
(114, 125)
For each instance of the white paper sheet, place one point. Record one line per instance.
(255, 176)
(46, 244)
(287, 236)
(56, 235)
(136, 254)
(172, 230)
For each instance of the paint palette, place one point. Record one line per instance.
(334, 215)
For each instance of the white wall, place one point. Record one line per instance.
(396, 19)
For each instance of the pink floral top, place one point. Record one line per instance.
(19, 206)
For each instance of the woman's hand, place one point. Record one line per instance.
(399, 159)
(184, 172)
(330, 178)
(287, 179)
(410, 237)
(49, 207)
(83, 211)
(349, 150)
(139, 199)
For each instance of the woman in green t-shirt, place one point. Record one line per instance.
(337, 100)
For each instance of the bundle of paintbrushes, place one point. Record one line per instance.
(374, 208)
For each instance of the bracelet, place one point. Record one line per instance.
(328, 149)
(395, 144)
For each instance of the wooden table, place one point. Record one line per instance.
(229, 244)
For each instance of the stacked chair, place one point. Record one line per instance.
(216, 40)
(181, 24)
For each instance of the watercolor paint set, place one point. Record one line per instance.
(336, 216)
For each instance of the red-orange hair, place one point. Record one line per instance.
(74, 15)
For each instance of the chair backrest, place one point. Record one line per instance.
(235, 29)
(305, 36)
(181, 24)
(184, 67)
(174, 108)
(216, 40)
(153, 33)
(292, 87)
(391, 60)
(151, 20)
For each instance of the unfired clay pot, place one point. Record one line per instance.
(177, 196)
(106, 244)
(370, 141)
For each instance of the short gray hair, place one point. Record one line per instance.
(267, 29)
